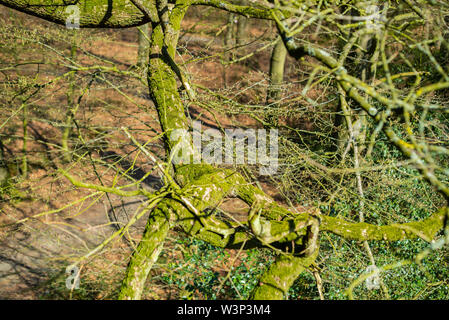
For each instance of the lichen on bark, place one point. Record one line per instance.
(201, 188)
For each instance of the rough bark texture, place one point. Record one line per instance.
(275, 282)
(146, 254)
(242, 32)
(4, 171)
(143, 46)
(93, 13)
(277, 64)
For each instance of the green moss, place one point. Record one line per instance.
(146, 253)
(425, 229)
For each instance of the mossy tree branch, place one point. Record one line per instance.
(93, 14)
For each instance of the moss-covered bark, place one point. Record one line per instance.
(116, 13)
(425, 229)
(93, 13)
(146, 254)
(163, 90)
(276, 74)
(162, 78)
(275, 282)
(143, 46)
(204, 187)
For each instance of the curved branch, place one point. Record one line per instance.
(424, 229)
(93, 13)
(247, 11)
(117, 13)
(276, 281)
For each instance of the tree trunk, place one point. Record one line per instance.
(364, 64)
(277, 66)
(277, 280)
(227, 41)
(4, 170)
(72, 105)
(242, 34)
(143, 46)
(146, 254)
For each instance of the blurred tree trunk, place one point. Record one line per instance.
(242, 34)
(143, 46)
(277, 66)
(4, 171)
(364, 64)
(228, 44)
